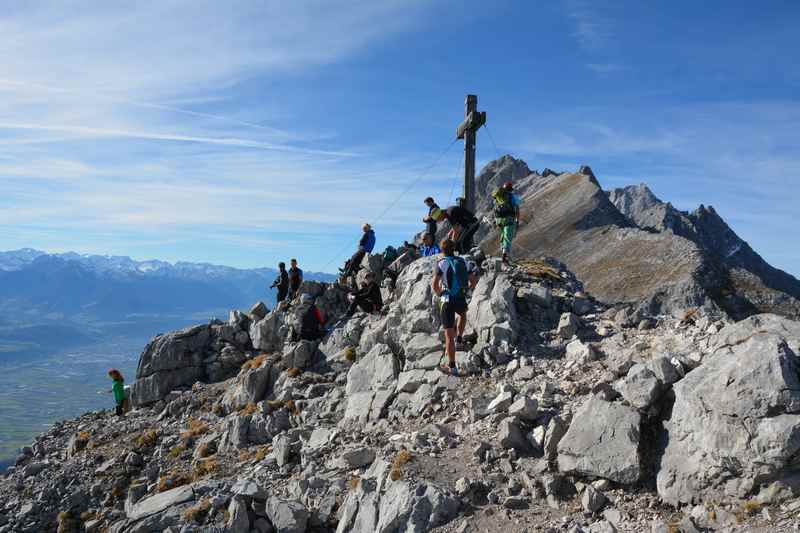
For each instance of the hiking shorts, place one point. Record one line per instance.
(449, 310)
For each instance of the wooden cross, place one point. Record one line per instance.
(473, 119)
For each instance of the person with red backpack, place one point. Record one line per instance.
(451, 279)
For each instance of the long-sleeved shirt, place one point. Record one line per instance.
(371, 293)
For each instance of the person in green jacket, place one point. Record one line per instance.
(119, 390)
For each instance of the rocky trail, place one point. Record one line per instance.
(575, 415)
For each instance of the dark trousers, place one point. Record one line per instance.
(464, 244)
(355, 263)
(366, 305)
(282, 293)
(119, 410)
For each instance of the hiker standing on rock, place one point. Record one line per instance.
(365, 246)
(434, 216)
(295, 279)
(118, 389)
(464, 225)
(506, 216)
(282, 282)
(368, 298)
(452, 276)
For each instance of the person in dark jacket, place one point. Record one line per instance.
(281, 282)
(295, 279)
(464, 225)
(312, 322)
(118, 389)
(368, 298)
(365, 246)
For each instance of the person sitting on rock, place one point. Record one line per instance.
(428, 247)
(118, 389)
(368, 298)
(463, 224)
(312, 321)
(365, 246)
(282, 282)
(295, 279)
(451, 279)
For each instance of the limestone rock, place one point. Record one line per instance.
(287, 516)
(568, 326)
(602, 441)
(735, 421)
(640, 388)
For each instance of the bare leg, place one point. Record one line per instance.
(461, 324)
(450, 345)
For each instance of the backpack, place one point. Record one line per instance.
(389, 255)
(457, 285)
(502, 204)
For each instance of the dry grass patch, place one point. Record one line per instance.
(203, 468)
(689, 316)
(254, 455)
(747, 509)
(541, 270)
(171, 480)
(402, 457)
(197, 513)
(217, 409)
(248, 409)
(255, 362)
(293, 372)
(195, 428)
(146, 439)
(176, 451)
(353, 482)
(292, 407)
(206, 449)
(350, 353)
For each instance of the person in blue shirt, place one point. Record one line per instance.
(365, 246)
(428, 247)
(506, 216)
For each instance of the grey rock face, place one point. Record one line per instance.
(373, 377)
(525, 408)
(171, 360)
(252, 385)
(736, 419)
(159, 502)
(492, 313)
(568, 325)
(581, 352)
(287, 516)
(239, 519)
(640, 387)
(602, 441)
(593, 500)
(510, 436)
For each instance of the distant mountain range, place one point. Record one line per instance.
(628, 246)
(81, 295)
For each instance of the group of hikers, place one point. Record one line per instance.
(452, 277)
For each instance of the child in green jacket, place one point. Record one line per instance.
(118, 389)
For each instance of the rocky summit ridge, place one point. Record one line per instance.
(585, 406)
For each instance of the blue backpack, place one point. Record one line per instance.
(457, 284)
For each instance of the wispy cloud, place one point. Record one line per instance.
(591, 28)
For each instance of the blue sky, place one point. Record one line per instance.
(247, 133)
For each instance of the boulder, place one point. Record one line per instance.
(171, 360)
(735, 422)
(492, 313)
(593, 500)
(269, 333)
(602, 441)
(568, 326)
(251, 386)
(510, 436)
(581, 352)
(160, 502)
(287, 516)
(640, 388)
(259, 310)
(501, 402)
(525, 408)
(357, 458)
(238, 516)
